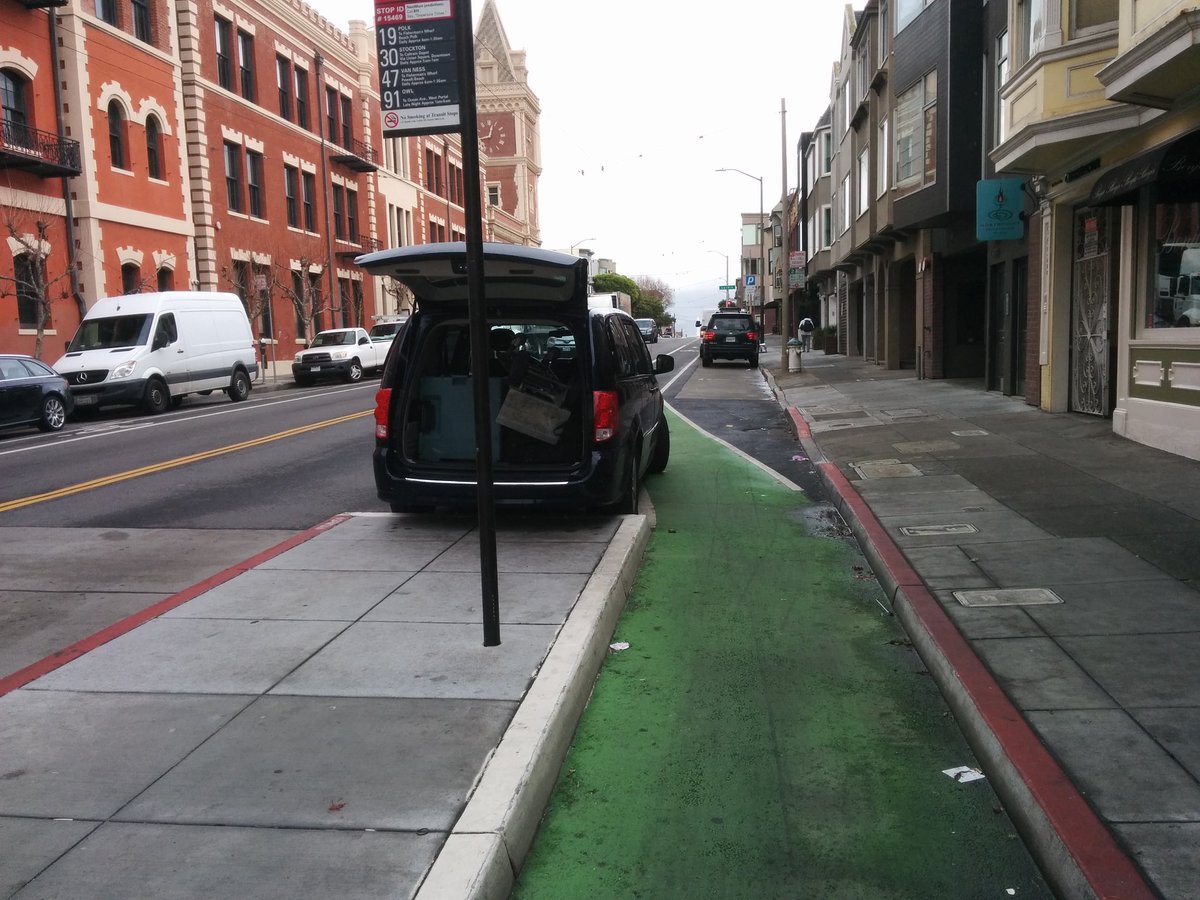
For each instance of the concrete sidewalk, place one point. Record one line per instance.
(1064, 558)
(313, 722)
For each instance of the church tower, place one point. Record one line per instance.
(509, 114)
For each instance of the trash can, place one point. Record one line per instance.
(793, 350)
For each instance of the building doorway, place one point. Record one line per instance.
(1093, 355)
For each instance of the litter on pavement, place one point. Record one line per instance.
(963, 774)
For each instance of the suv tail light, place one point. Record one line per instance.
(605, 414)
(707, 334)
(383, 400)
(752, 337)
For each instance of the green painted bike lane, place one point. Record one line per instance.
(768, 732)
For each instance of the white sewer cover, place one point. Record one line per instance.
(925, 530)
(885, 468)
(1007, 597)
(970, 432)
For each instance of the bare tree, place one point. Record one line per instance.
(402, 298)
(31, 281)
(301, 286)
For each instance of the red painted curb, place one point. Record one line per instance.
(799, 423)
(1092, 847)
(55, 660)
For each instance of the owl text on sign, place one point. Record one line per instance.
(418, 69)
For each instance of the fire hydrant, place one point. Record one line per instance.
(793, 350)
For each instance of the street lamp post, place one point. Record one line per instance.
(762, 253)
(577, 243)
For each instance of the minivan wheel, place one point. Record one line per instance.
(239, 386)
(54, 414)
(628, 504)
(662, 448)
(705, 361)
(355, 372)
(157, 397)
(753, 361)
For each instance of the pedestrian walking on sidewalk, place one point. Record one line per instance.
(806, 333)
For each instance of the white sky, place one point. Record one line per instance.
(642, 100)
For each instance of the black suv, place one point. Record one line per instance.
(729, 335)
(576, 411)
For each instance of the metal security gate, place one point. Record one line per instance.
(1091, 317)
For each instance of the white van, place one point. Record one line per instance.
(154, 349)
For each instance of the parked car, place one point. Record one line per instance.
(386, 330)
(344, 353)
(729, 335)
(32, 393)
(649, 330)
(153, 349)
(576, 412)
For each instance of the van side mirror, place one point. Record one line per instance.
(160, 341)
(364, 340)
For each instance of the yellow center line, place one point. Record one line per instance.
(174, 463)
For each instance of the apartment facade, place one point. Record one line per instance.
(1080, 118)
(1101, 113)
(221, 146)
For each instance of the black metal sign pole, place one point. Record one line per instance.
(469, 129)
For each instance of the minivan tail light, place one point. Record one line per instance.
(605, 414)
(383, 400)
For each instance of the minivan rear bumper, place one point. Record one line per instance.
(594, 485)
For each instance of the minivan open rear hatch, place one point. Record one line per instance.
(437, 274)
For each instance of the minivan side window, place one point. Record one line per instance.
(622, 358)
(629, 349)
(642, 364)
(166, 333)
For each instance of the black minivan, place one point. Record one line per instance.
(576, 412)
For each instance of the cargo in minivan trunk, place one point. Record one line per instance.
(534, 395)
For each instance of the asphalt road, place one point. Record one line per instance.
(122, 509)
(118, 511)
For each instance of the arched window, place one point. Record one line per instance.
(153, 147)
(29, 272)
(14, 93)
(116, 134)
(166, 279)
(131, 278)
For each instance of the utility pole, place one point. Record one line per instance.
(785, 318)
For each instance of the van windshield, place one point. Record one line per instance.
(112, 333)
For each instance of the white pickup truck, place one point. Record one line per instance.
(343, 352)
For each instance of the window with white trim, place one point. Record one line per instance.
(882, 169)
(864, 180)
(915, 137)
(845, 206)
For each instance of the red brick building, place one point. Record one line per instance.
(225, 147)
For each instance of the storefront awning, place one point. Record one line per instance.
(1174, 168)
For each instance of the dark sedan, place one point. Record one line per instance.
(32, 393)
